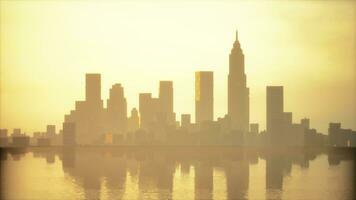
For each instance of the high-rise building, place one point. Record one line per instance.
(305, 122)
(89, 115)
(69, 134)
(166, 96)
(134, 120)
(116, 111)
(92, 87)
(238, 93)
(166, 102)
(275, 115)
(204, 96)
(148, 108)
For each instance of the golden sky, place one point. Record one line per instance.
(309, 47)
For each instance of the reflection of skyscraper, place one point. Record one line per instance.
(204, 96)
(117, 110)
(238, 93)
(274, 109)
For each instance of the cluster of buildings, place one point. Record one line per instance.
(155, 122)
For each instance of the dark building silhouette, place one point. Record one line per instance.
(4, 139)
(69, 134)
(204, 96)
(20, 140)
(148, 107)
(339, 137)
(134, 121)
(116, 121)
(89, 115)
(238, 93)
(166, 101)
(274, 108)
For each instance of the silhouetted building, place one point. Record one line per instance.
(204, 96)
(51, 130)
(185, 120)
(43, 141)
(69, 134)
(4, 140)
(89, 115)
(116, 111)
(238, 93)
(305, 123)
(148, 107)
(93, 88)
(3, 133)
(16, 132)
(254, 128)
(21, 140)
(134, 121)
(274, 108)
(166, 101)
(340, 137)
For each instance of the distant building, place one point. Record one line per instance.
(116, 121)
(238, 92)
(148, 108)
(51, 130)
(254, 128)
(3, 133)
(166, 102)
(4, 139)
(185, 120)
(43, 141)
(134, 121)
(69, 134)
(305, 123)
(274, 109)
(89, 115)
(340, 137)
(204, 96)
(20, 140)
(16, 132)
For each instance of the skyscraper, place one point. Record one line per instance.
(166, 96)
(148, 107)
(238, 93)
(166, 101)
(92, 87)
(134, 120)
(88, 115)
(204, 96)
(275, 115)
(117, 110)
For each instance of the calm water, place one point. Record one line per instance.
(176, 173)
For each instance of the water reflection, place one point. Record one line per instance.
(175, 173)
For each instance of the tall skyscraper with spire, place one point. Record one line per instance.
(238, 93)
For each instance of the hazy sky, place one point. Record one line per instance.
(309, 47)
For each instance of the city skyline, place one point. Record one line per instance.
(45, 110)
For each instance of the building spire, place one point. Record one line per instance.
(236, 36)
